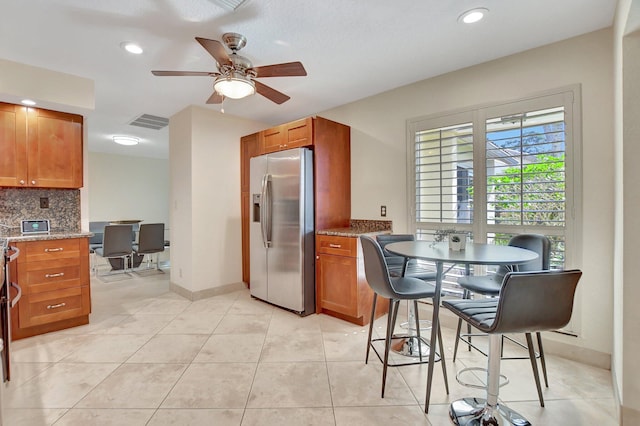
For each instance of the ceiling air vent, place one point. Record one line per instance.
(229, 4)
(150, 122)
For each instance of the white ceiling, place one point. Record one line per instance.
(351, 49)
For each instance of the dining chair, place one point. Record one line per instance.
(490, 285)
(150, 241)
(116, 244)
(394, 289)
(95, 241)
(528, 302)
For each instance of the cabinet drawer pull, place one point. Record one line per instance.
(49, 250)
(335, 245)
(59, 305)
(59, 274)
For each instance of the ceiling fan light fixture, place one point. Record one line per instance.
(474, 15)
(126, 140)
(234, 87)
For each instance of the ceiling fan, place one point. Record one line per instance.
(236, 75)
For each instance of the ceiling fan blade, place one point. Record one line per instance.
(215, 98)
(185, 73)
(215, 49)
(289, 69)
(271, 93)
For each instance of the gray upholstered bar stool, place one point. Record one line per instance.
(398, 267)
(529, 302)
(489, 285)
(396, 264)
(394, 289)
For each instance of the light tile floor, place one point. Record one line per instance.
(150, 357)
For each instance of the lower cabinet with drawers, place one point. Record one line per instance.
(55, 282)
(342, 290)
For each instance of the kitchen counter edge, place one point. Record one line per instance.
(45, 237)
(350, 232)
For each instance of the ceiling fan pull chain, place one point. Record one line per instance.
(222, 105)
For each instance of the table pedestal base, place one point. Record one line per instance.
(475, 412)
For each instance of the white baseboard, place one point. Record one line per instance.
(209, 292)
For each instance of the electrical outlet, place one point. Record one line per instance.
(383, 211)
(44, 202)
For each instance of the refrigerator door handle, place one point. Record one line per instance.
(265, 211)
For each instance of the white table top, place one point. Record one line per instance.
(474, 253)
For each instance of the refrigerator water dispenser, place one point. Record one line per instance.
(256, 207)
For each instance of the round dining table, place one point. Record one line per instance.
(440, 253)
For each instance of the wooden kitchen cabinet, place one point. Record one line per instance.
(341, 287)
(286, 136)
(40, 148)
(55, 282)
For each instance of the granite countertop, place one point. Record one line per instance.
(359, 227)
(12, 237)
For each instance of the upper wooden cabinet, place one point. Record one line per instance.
(286, 136)
(40, 148)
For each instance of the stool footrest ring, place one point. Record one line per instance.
(503, 379)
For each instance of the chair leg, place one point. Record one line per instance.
(455, 345)
(444, 367)
(534, 366)
(467, 295)
(415, 313)
(373, 316)
(542, 360)
(391, 324)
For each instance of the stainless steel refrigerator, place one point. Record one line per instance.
(281, 230)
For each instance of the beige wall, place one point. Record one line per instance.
(205, 199)
(379, 154)
(124, 187)
(180, 198)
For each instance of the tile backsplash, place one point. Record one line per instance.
(18, 204)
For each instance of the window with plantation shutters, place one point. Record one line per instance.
(525, 175)
(499, 170)
(444, 172)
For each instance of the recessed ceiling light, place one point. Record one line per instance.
(131, 47)
(126, 140)
(28, 102)
(473, 15)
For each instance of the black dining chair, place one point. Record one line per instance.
(528, 302)
(150, 241)
(489, 285)
(116, 244)
(95, 241)
(394, 289)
